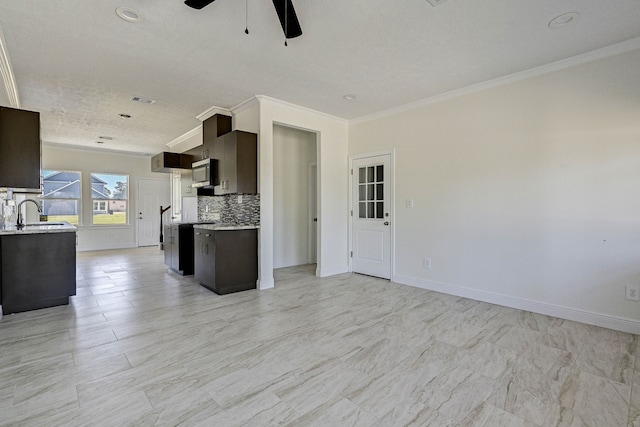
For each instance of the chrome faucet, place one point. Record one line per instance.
(20, 222)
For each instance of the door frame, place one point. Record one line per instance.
(392, 205)
(313, 202)
(139, 204)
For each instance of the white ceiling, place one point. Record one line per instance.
(79, 64)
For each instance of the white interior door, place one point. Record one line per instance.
(152, 193)
(371, 221)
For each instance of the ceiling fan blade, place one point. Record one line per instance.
(290, 24)
(198, 4)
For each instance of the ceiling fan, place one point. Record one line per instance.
(284, 9)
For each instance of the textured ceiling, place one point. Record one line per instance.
(79, 64)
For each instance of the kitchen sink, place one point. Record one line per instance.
(44, 223)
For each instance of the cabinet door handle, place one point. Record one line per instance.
(206, 248)
(198, 233)
(207, 235)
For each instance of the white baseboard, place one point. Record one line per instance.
(326, 272)
(105, 247)
(266, 283)
(606, 321)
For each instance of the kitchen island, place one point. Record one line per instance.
(37, 266)
(226, 257)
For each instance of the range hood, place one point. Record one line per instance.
(166, 161)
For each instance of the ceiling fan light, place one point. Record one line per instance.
(198, 4)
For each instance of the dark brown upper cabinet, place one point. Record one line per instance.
(213, 127)
(166, 162)
(20, 149)
(237, 155)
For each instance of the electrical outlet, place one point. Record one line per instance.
(239, 199)
(633, 292)
(427, 263)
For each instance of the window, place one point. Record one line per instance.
(371, 192)
(110, 195)
(99, 206)
(61, 196)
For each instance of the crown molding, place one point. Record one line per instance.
(245, 105)
(190, 134)
(268, 100)
(94, 150)
(594, 55)
(211, 111)
(7, 74)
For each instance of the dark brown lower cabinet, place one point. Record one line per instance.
(38, 270)
(178, 248)
(226, 261)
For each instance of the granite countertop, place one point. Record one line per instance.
(38, 228)
(189, 222)
(223, 226)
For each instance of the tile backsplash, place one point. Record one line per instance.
(229, 209)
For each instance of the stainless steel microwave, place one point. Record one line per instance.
(203, 173)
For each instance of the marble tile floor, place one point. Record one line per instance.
(143, 346)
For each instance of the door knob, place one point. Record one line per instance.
(386, 223)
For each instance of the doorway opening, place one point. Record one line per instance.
(294, 197)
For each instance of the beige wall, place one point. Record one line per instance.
(90, 237)
(526, 194)
(293, 151)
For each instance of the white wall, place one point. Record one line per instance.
(293, 151)
(56, 157)
(333, 166)
(259, 115)
(526, 194)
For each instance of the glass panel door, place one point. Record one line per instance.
(371, 192)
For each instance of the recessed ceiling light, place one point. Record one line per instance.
(564, 20)
(350, 97)
(99, 142)
(124, 116)
(128, 14)
(108, 138)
